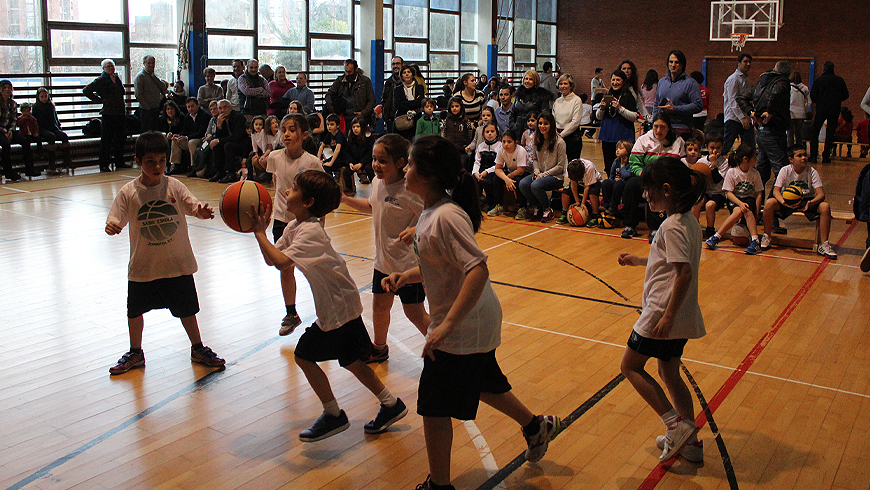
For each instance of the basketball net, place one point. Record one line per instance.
(738, 40)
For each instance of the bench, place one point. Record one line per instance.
(786, 241)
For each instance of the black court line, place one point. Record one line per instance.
(567, 295)
(503, 473)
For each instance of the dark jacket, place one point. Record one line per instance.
(771, 94)
(861, 203)
(195, 128)
(388, 109)
(828, 93)
(110, 94)
(46, 116)
(526, 101)
(401, 102)
(256, 106)
(359, 153)
(362, 91)
(234, 128)
(164, 126)
(458, 131)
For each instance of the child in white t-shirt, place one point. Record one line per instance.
(459, 367)
(581, 176)
(284, 165)
(693, 151)
(339, 332)
(813, 204)
(714, 198)
(395, 212)
(511, 165)
(161, 264)
(670, 314)
(528, 138)
(744, 189)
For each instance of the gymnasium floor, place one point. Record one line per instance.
(783, 369)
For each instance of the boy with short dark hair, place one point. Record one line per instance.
(813, 204)
(428, 123)
(714, 197)
(332, 147)
(339, 332)
(581, 176)
(161, 258)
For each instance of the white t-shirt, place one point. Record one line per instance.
(446, 250)
(394, 209)
(336, 298)
(676, 241)
(590, 175)
(743, 184)
(808, 180)
(586, 118)
(159, 245)
(509, 162)
(285, 169)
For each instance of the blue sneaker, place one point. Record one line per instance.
(325, 426)
(386, 417)
(753, 248)
(712, 242)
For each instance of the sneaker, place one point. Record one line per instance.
(693, 451)
(827, 250)
(563, 219)
(677, 437)
(377, 355)
(592, 223)
(206, 357)
(765, 242)
(428, 485)
(547, 215)
(753, 248)
(130, 360)
(496, 210)
(712, 242)
(325, 426)
(550, 426)
(386, 417)
(364, 179)
(779, 230)
(521, 214)
(628, 232)
(289, 324)
(534, 214)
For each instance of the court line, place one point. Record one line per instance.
(13, 189)
(507, 240)
(656, 475)
(567, 295)
(63, 187)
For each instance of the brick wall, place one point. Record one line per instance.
(602, 34)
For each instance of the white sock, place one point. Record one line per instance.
(331, 408)
(717, 235)
(754, 237)
(386, 398)
(670, 418)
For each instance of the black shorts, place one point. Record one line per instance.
(663, 349)
(410, 294)
(812, 214)
(719, 199)
(346, 343)
(594, 190)
(748, 200)
(277, 230)
(176, 293)
(450, 386)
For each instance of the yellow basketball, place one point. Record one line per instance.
(792, 194)
(607, 221)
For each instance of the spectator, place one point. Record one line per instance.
(178, 95)
(529, 98)
(189, 138)
(828, 93)
(736, 122)
(628, 67)
(388, 109)
(408, 97)
(504, 112)
(699, 119)
(617, 113)
(352, 94)
(150, 92)
(267, 72)
(568, 111)
(230, 142)
(170, 120)
(492, 86)
(678, 94)
(232, 89)
(471, 98)
(548, 81)
(301, 93)
(597, 85)
(277, 89)
(799, 105)
(49, 124)
(108, 90)
(481, 83)
(768, 106)
(9, 135)
(648, 90)
(210, 91)
(843, 134)
(253, 92)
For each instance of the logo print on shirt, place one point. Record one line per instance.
(157, 221)
(744, 189)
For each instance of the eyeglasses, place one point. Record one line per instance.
(397, 64)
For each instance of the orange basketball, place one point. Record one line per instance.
(704, 169)
(577, 215)
(238, 199)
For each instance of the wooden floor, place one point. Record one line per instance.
(784, 366)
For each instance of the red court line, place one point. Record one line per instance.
(661, 469)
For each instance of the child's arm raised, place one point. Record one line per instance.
(260, 221)
(469, 294)
(678, 295)
(362, 205)
(204, 211)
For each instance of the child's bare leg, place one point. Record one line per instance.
(670, 373)
(770, 208)
(824, 220)
(509, 405)
(711, 213)
(732, 220)
(136, 326)
(566, 201)
(192, 328)
(288, 286)
(632, 368)
(596, 203)
(381, 304)
(317, 379)
(416, 312)
(751, 223)
(366, 376)
(439, 443)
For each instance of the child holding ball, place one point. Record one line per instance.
(161, 258)
(671, 314)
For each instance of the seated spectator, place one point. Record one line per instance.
(210, 91)
(744, 189)
(171, 119)
(863, 135)
(277, 88)
(333, 150)
(511, 166)
(9, 135)
(27, 125)
(843, 134)
(49, 124)
(229, 144)
(202, 159)
(614, 185)
(360, 145)
(193, 128)
(302, 93)
(714, 197)
(179, 96)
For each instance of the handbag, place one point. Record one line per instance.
(405, 122)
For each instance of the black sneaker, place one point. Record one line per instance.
(206, 357)
(628, 232)
(386, 417)
(377, 355)
(428, 485)
(325, 426)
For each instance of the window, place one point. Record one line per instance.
(23, 24)
(229, 14)
(152, 21)
(526, 34)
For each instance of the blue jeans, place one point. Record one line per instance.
(536, 190)
(771, 152)
(733, 129)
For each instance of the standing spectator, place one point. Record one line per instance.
(568, 110)
(150, 92)
(481, 83)
(407, 97)
(302, 93)
(232, 89)
(178, 95)
(504, 112)
(699, 119)
(108, 90)
(548, 81)
(492, 86)
(49, 124)
(253, 91)
(352, 94)
(617, 113)
(736, 122)
(210, 91)
(388, 109)
(865, 106)
(230, 142)
(9, 135)
(597, 84)
(768, 106)
(267, 72)
(648, 90)
(192, 132)
(828, 93)
(530, 97)
(678, 94)
(799, 104)
(472, 99)
(277, 89)
(628, 67)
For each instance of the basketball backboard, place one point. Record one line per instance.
(760, 19)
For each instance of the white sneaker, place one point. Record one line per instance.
(827, 250)
(550, 426)
(495, 211)
(693, 451)
(765, 242)
(676, 437)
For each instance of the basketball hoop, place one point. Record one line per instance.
(738, 40)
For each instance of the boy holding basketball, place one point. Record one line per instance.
(813, 204)
(339, 332)
(284, 165)
(161, 258)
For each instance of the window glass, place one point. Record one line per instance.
(23, 20)
(468, 53)
(523, 55)
(330, 49)
(281, 23)
(330, 16)
(21, 60)
(152, 21)
(165, 62)
(504, 37)
(86, 44)
(229, 14)
(444, 35)
(388, 28)
(546, 40)
(411, 51)
(410, 18)
(524, 22)
(443, 62)
(469, 20)
(293, 61)
(230, 47)
(505, 64)
(444, 4)
(547, 10)
(91, 11)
